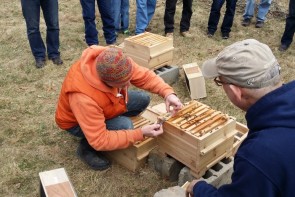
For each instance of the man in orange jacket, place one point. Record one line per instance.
(95, 103)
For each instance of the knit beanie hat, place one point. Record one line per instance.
(113, 66)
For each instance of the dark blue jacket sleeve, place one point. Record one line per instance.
(247, 180)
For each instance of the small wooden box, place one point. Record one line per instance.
(242, 132)
(162, 59)
(135, 156)
(55, 183)
(195, 81)
(198, 137)
(149, 50)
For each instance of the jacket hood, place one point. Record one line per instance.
(88, 69)
(276, 109)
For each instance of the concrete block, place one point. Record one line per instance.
(171, 192)
(168, 73)
(217, 175)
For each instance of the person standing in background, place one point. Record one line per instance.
(105, 8)
(145, 10)
(262, 11)
(288, 35)
(121, 15)
(31, 13)
(227, 20)
(185, 17)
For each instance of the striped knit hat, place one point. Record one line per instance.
(113, 66)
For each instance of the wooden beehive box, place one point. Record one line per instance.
(149, 50)
(195, 81)
(135, 156)
(198, 136)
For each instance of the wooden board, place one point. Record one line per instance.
(55, 183)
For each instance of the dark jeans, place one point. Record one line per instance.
(137, 103)
(290, 25)
(215, 15)
(185, 17)
(105, 8)
(31, 12)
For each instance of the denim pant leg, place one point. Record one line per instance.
(31, 13)
(138, 101)
(288, 35)
(187, 12)
(151, 7)
(263, 9)
(124, 15)
(229, 16)
(249, 10)
(105, 8)
(170, 8)
(117, 14)
(50, 12)
(214, 15)
(141, 16)
(88, 12)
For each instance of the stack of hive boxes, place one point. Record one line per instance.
(149, 50)
(199, 137)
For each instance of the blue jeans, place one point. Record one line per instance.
(137, 103)
(145, 10)
(121, 14)
(105, 8)
(262, 9)
(215, 15)
(288, 35)
(31, 13)
(186, 15)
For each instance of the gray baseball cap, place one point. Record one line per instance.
(248, 63)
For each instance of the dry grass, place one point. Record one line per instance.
(29, 139)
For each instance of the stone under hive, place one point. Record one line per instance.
(198, 137)
(149, 50)
(135, 156)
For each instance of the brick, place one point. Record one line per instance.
(168, 73)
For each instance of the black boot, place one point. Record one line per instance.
(91, 157)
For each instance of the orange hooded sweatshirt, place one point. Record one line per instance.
(86, 101)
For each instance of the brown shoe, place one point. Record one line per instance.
(169, 35)
(246, 22)
(259, 24)
(186, 34)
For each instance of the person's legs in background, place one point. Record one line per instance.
(105, 8)
(288, 35)
(214, 16)
(117, 14)
(50, 12)
(125, 17)
(262, 12)
(228, 18)
(151, 7)
(186, 15)
(141, 16)
(31, 13)
(88, 12)
(249, 12)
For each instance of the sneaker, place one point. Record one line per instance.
(40, 63)
(186, 34)
(126, 32)
(57, 60)
(283, 47)
(169, 35)
(246, 22)
(259, 24)
(210, 34)
(225, 35)
(94, 159)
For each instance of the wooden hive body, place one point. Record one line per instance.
(149, 50)
(135, 156)
(198, 136)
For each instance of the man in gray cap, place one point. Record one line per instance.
(264, 163)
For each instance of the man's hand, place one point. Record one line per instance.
(173, 100)
(189, 189)
(152, 130)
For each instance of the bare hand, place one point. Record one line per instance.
(189, 189)
(152, 130)
(173, 100)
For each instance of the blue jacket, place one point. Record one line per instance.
(264, 165)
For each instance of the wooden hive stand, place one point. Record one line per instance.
(149, 50)
(198, 137)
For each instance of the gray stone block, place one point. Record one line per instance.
(168, 73)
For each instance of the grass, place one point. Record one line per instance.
(31, 142)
